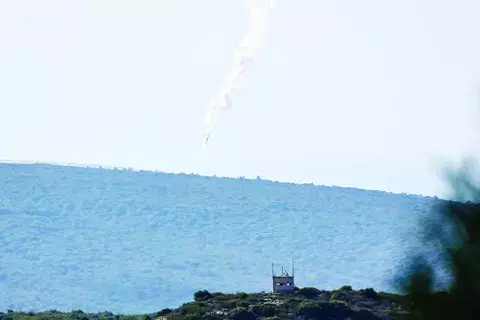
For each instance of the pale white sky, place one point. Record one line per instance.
(355, 93)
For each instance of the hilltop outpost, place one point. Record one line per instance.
(283, 283)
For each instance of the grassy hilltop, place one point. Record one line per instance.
(305, 303)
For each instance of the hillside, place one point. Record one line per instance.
(130, 242)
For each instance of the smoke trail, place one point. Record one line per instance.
(242, 59)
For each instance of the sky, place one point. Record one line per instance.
(368, 94)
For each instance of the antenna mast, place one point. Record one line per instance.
(293, 267)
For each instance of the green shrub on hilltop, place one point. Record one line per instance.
(323, 310)
(309, 309)
(241, 313)
(230, 304)
(202, 295)
(217, 296)
(252, 298)
(164, 312)
(308, 292)
(338, 295)
(291, 303)
(334, 301)
(369, 293)
(345, 289)
(263, 310)
(241, 295)
(198, 308)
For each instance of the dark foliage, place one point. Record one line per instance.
(202, 295)
(242, 314)
(457, 231)
(263, 310)
(369, 293)
(346, 289)
(164, 312)
(308, 292)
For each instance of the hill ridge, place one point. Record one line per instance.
(131, 169)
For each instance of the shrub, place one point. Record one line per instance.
(243, 303)
(164, 312)
(202, 295)
(193, 317)
(229, 304)
(241, 295)
(338, 295)
(309, 309)
(369, 293)
(291, 303)
(263, 310)
(242, 314)
(309, 292)
(252, 298)
(346, 289)
(218, 296)
(322, 310)
(194, 308)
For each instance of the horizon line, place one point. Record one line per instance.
(258, 177)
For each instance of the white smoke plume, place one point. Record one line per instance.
(242, 59)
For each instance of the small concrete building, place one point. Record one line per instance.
(283, 283)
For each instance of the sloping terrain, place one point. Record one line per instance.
(136, 242)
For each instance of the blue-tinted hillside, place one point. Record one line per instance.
(136, 242)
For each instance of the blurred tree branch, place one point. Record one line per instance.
(455, 228)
